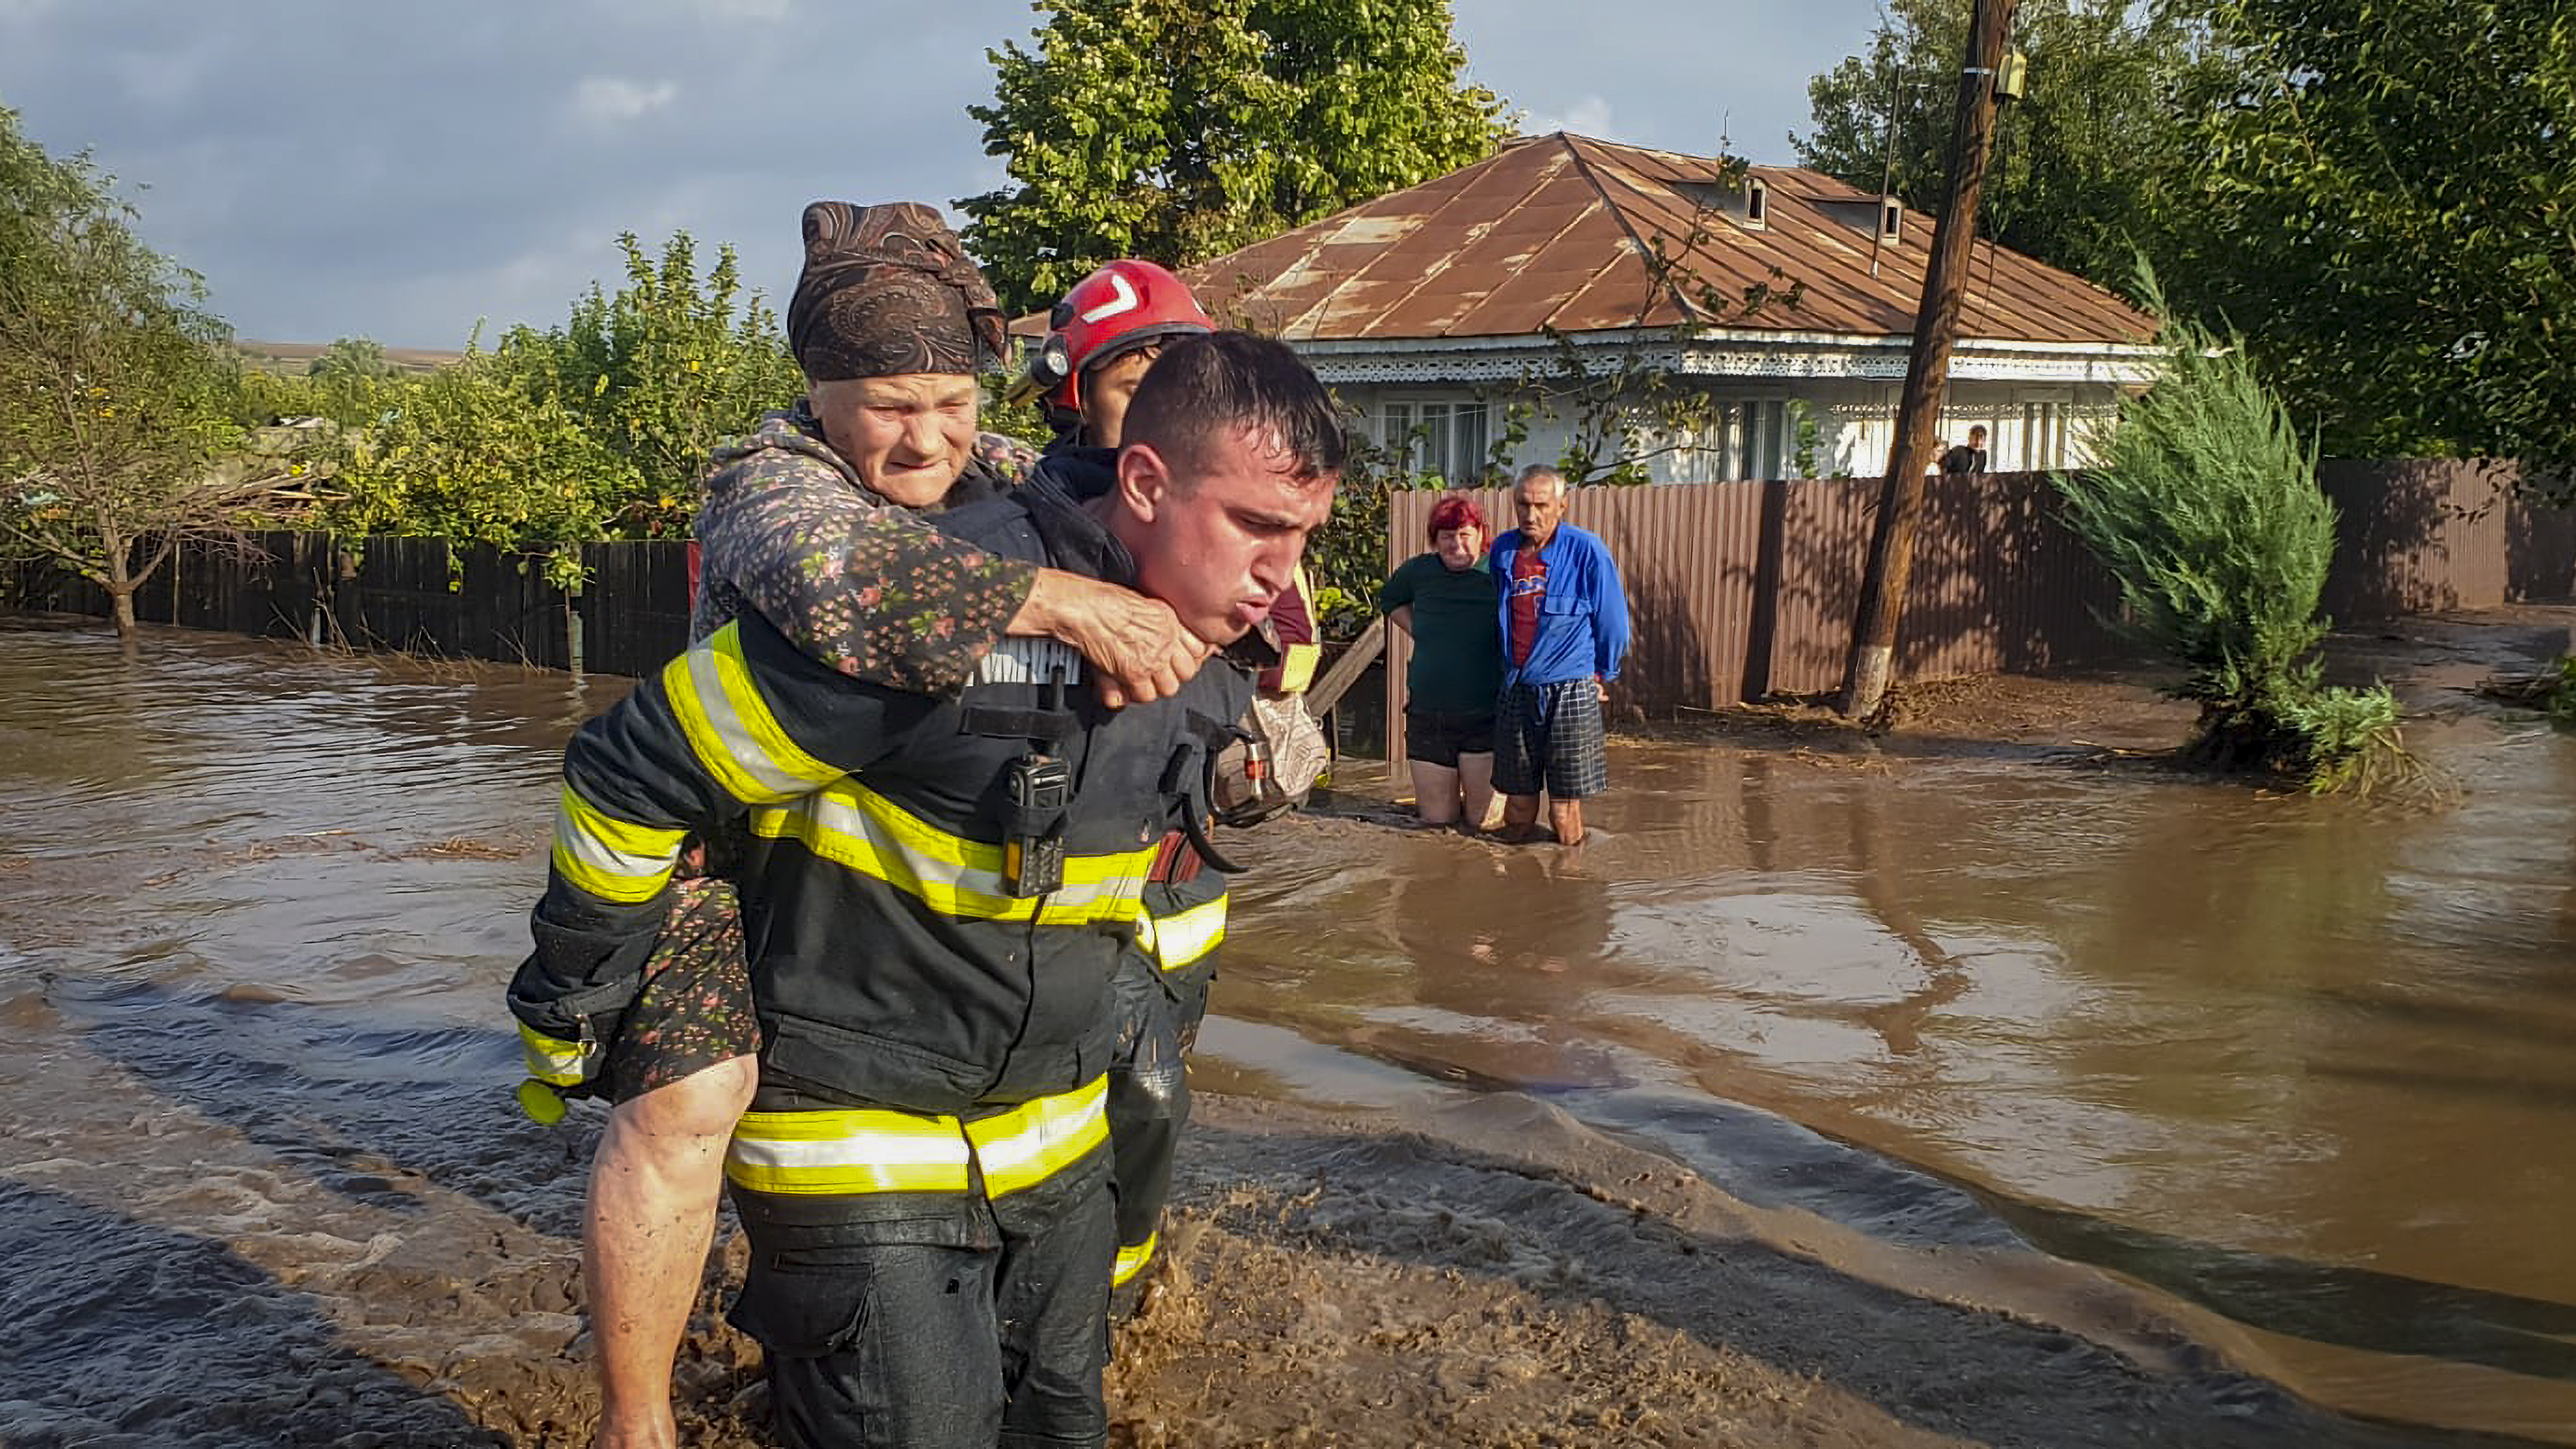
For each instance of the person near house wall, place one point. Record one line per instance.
(1564, 625)
(1968, 459)
(1446, 600)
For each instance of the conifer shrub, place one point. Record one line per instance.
(2204, 506)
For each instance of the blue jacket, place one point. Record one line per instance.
(1582, 621)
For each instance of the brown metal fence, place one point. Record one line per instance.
(1737, 591)
(1740, 591)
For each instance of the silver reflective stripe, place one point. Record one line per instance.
(1183, 938)
(610, 858)
(855, 827)
(731, 728)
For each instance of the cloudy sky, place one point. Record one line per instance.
(398, 170)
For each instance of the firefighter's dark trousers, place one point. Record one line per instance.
(1149, 1101)
(909, 1333)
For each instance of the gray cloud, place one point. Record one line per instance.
(400, 170)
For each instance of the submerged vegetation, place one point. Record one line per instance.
(2205, 509)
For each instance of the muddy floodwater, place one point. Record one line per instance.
(2293, 1077)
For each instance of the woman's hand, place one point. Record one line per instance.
(1137, 647)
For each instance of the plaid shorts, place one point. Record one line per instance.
(695, 1008)
(1549, 735)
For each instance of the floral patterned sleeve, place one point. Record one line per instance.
(862, 585)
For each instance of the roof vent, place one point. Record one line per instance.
(1748, 201)
(1891, 220)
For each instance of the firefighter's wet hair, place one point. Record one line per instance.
(1203, 388)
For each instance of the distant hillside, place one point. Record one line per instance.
(292, 359)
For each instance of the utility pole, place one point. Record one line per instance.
(1927, 375)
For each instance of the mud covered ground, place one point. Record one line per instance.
(230, 1227)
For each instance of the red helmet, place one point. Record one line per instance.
(1125, 305)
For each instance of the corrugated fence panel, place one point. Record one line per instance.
(2000, 585)
(2417, 535)
(1824, 536)
(1736, 590)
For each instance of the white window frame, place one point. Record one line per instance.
(1455, 437)
(1746, 438)
(2044, 418)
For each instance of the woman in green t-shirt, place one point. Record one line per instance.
(1446, 599)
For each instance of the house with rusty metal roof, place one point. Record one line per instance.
(1783, 298)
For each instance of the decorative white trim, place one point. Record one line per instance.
(1774, 357)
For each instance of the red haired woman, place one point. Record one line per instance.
(1447, 600)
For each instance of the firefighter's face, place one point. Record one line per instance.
(1221, 543)
(1106, 392)
(908, 436)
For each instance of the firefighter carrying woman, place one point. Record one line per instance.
(806, 560)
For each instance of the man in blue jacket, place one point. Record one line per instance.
(1565, 629)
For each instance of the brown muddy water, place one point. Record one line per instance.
(2296, 1073)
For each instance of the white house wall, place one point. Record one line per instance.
(2028, 425)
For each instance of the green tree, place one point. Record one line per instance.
(2085, 165)
(1177, 130)
(2389, 210)
(479, 452)
(659, 372)
(351, 357)
(346, 379)
(2204, 506)
(1346, 558)
(116, 438)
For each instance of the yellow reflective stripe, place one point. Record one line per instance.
(1036, 1140)
(1132, 1259)
(853, 826)
(552, 1060)
(849, 1150)
(1183, 938)
(612, 859)
(1297, 667)
(854, 1150)
(730, 728)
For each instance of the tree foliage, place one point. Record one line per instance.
(2204, 506)
(487, 451)
(351, 357)
(2389, 209)
(662, 370)
(594, 429)
(115, 390)
(1177, 130)
(2085, 166)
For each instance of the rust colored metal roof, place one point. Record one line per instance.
(1556, 232)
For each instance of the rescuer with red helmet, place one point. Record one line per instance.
(1103, 336)
(1100, 339)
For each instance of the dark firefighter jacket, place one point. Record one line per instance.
(892, 967)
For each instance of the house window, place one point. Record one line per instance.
(1754, 439)
(1891, 220)
(1443, 436)
(1757, 203)
(2043, 435)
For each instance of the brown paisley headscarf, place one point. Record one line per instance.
(886, 290)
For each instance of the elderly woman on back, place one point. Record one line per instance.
(1448, 601)
(811, 522)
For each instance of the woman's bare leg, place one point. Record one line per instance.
(1435, 792)
(651, 1215)
(1476, 788)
